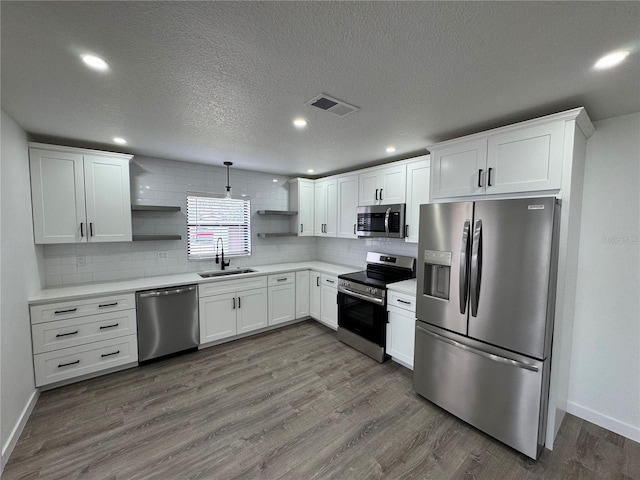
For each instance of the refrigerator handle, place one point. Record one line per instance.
(476, 267)
(464, 267)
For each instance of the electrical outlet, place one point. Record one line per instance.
(81, 261)
(163, 255)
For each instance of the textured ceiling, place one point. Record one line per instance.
(222, 81)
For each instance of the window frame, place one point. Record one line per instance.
(244, 239)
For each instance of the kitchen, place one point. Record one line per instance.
(111, 259)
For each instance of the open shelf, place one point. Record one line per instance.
(282, 234)
(148, 238)
(154, 208)
(276, 212)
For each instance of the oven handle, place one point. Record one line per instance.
(366, 298)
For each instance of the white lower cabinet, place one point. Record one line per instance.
(232, 307)
(76, 338)
(282, 298)
(401, 328)
(302, 294)
(329, 301)
(314, 295)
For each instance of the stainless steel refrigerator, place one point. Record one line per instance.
(485, 307)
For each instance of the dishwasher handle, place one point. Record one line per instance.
(163, 293)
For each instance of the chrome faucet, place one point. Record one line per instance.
(223, 264)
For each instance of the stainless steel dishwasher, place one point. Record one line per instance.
(167, 321)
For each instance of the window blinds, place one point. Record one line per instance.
(212, 216)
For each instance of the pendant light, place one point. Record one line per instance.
(228, 164)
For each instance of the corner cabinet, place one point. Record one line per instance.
(301, 200)
(525, 157)
(79, 195)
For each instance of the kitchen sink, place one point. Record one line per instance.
(225, 273)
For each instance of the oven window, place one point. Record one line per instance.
(363, 318)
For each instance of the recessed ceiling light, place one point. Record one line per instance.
(611, 59)
(311, 170)
(300, 122)
(95, 62)
(391, 149)
(119, 140)
(275, 180)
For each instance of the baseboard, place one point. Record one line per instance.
(17, 430)
(626, 430)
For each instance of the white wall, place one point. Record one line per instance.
(20, 279)
(165, 182)
(605, 368)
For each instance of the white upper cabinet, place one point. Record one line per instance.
(418, 178)
(301, 200)
(525, 157)
(79, 195)
(382, 186)
(347, 204)
(326, 207)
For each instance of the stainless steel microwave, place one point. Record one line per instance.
(381, 221)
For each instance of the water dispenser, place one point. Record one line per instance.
(437, 273)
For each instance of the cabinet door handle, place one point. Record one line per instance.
(406, 230)
(65, 311)
(104, 327)
(91, 229)
(354, 228)
(480, 177)
(301, 228)
(317, 281)
(110, 354)
(239, 306)
(377, 193)
(489, 177)
(66, 334)
(60, 365)
(233, 303)
(108, 305)
(82, 229)
(381, 194)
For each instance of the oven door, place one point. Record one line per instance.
(363, 317)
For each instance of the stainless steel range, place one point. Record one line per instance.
(362, 302)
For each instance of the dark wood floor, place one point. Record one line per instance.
(294, 403)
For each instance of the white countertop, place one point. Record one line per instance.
(128, 286)
(405, 286)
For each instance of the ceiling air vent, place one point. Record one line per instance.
(333, 105)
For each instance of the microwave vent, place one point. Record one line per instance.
(333, 105)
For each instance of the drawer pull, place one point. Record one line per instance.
(104, 327)
(109, 354)
(403, 301)
(281, 279)
(66, 311)
(66, 334)
(108, 305)
(330, 281)
(60, 365)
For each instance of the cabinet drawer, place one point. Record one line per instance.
(282, 279)
(79, 308)
(329, 280)
(49, 336)
(73, 362)
(403, 301)
(231, 286)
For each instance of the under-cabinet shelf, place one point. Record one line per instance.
(154, 208)
(280, 234)
(276, 212)
(151, 237)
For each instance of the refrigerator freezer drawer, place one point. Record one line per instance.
(500, 396)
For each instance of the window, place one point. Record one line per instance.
(211, 217)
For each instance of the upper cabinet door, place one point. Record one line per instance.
(331, 223)
(459, 169)
(368, 188)
(57, 193)
(347, 204)
(320, 217)
(526, 159)
(301, 200)
(392, 182)
(418, 179)
(108, 200)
